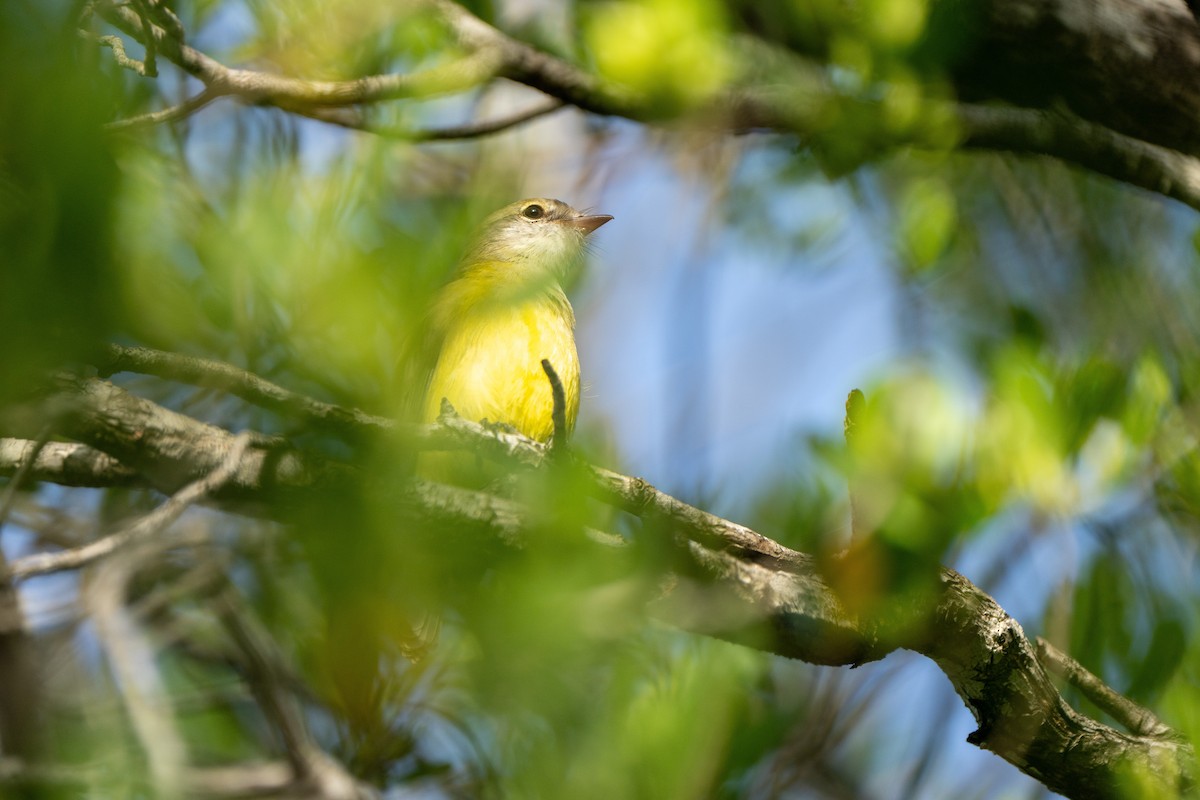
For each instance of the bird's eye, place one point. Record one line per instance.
(533, 211)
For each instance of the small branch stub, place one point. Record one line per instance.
(558, 442)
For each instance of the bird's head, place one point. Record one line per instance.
(538, 237)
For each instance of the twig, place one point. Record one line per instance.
(259, 660)
(167, 19)
(117, 46)
(525, 64)
(129, 652)
(355, 119)
(312, 767)
(558, 442)
(473, 130)
(856, 404)
(131, 658)
(1136, 719)
(171, 114)
(151, 60)
(145, 528)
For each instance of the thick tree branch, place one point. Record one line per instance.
(65, 463)
(769, 596)
(1062, 135)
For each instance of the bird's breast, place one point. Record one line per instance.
(490, 365)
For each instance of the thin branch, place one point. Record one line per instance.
(312, 768)
(259, 660)
(477, 129)
(1135, 718)
(126, 646)
(145, 528)
(170, 114)
(451, 432)
(131, 658)
(117, 46)
(151, 60)
(355, 119)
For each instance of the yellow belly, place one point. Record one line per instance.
(490, 368)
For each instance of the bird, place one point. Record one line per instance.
(504, 311)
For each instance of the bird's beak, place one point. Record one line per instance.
(588, 223)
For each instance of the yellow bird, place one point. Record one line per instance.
(505, 311)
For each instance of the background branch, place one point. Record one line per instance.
(1060, 134)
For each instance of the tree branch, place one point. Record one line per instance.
(355, 119)
(65, 463)
(136, 674)
(467, 72)
(314, 772)
(1062, 135)
(1059, 134)
(770, 597)
(144, 529)
(170, 114)
(1136, 719)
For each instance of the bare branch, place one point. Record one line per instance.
(475, 130)
(170, 114)
(312, 768)
(768, 596)
(145, 528)
(1135, 718)
(212, 374)
(467, 72)
(139, 683)
(355, 119)
(117, 46)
